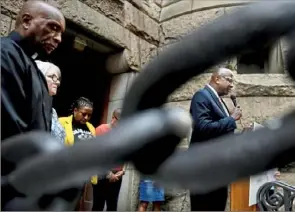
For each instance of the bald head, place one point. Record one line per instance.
(222, 81)
(42, 23)
(37, 8)
(116, 117)
(219, 72)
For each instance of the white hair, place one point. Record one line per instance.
(46, 66)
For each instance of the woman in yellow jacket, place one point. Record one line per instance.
(77, 127)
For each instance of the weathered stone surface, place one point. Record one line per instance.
(117, 63)
(147, 51)
(12, 25)
(12, 5)
(132, 52)
(175, 28)
(5, 24)
(172, 30)
(206, 16)
(152, 9)
(264, 85)
(285, 48)
(288, 177)
(149, 7)
(165, 3)
(119, 86)
(176, 200)
(128, 197)
(141, 24)
(158, 2)
(132, 59)
(261, 109)
(245, 85)
(197, 5)
(175, 9)
(186, 91)
(92, 20)
(113, 9)
(123, 200)
(131, 78)
(134, 190)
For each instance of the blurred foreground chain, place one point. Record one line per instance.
(38, 170)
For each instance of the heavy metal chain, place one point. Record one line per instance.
(38, 165)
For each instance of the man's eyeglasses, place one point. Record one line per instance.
(230, 80)
(54, 78)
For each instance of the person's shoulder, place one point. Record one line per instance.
(102, 126)
(12, 52)
(8, 45)
(64, 119)
(200, 94)
(102, 129)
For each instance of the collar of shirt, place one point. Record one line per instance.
(221, 102)
(26, 45)
(214, 91)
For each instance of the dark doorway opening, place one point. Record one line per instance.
(253, 62)
(83, 74)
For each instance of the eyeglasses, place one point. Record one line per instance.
(230, 80)
(54, 78)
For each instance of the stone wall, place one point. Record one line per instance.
(132, 25)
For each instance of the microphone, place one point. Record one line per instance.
(234, 99)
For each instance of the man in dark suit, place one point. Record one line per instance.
(212, 119)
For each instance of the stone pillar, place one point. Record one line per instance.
(117, 63)
(128, 198)
(119, 87)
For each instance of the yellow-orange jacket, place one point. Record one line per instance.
(66, 122)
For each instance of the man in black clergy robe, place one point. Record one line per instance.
(25, 102)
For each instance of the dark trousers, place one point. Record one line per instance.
(213, 201)
(106, 192)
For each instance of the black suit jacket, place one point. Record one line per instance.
(210, 119)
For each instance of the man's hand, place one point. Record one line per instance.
(120, 173)
(112, 177)
(237, 113)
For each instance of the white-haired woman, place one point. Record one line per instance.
(53, 77)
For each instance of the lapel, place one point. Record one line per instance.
(90, 128)
(225, 105)
(216, 100)
(69, 130)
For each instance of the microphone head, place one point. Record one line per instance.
(233, 96)
(234, 99)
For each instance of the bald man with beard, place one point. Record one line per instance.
(25, 102)
(212, 119)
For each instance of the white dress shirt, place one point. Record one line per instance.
(221, 102)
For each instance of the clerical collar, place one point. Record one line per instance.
(26, 45)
